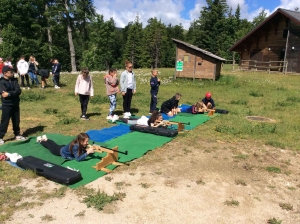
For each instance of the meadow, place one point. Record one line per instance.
(231, 139)
(275, 96)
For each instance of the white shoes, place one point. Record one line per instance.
(56, 87)
(41, 138)
(112, 118)
(127, 115)
(115, 118)
(109, 117)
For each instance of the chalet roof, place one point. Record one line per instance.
(199, 49)
(293, 15)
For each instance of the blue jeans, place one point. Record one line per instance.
(113, 103)
(33, 78)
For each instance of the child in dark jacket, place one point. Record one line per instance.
(170, 107)
(208, 101)
(154, 83)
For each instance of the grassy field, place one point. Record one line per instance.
(275, 96)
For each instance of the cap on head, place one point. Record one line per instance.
(208, 95)
(7, 68)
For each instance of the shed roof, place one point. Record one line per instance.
(199, 49)
(293, 15)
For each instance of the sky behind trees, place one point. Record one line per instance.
(181, 11)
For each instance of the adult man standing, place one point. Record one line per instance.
(56, 67)
(10, 95)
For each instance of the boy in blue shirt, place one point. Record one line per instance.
(154, 83)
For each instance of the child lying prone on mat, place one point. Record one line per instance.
(197, 108)
(155, 120)
(77, 149)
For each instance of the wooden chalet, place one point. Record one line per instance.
(197, 63)
(273, 45)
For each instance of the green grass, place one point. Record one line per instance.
(275, 96)
(242, 93)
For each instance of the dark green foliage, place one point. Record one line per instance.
(274, 221)
(64, 121)
(293, 99)
(50, 111)
(276, 144)
(32, 96)
(99, 99)
(273, 169)
(256, 94)
(99, 199)
(239, 102)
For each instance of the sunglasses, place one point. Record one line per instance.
(130, 67)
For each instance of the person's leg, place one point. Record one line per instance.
(15, 118)
(129, 97)
(54, 80)
(124, 103)
(113, 103)
(27, 80)
(85, 104)
(22, 81)
(52, 147)
(31, 77)
(6, 110)
(81, 103)
(36, 79)
(57, 79)
(153, 102)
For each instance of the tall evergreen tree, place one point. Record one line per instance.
(155, 40)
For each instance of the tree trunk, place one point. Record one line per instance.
(69, 29)
(49, 32)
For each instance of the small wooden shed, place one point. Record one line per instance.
(197, 63)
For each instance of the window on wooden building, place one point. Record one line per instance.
(186, 58)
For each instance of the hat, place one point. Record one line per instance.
(208, 95)
(7, 68)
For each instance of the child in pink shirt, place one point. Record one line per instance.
(84, 88)
(111, 82)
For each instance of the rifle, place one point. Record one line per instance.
(98, 148)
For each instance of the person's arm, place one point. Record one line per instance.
(17, 90)
(91, 87)
(77, 85)
(122, 83)
(134, 83)
(152, 82)
(83, 155)
(213, 104)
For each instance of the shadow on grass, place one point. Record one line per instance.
(33, 130)
(93, 114)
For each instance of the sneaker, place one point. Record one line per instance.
(126, 115)
(43, 87)
(109, 117)
(83, 117)
(28, 87)
(20, 138)
(56, 87)
(23, 87)
(115, 118)
(44, 138)
(39, 139)
(1, 141)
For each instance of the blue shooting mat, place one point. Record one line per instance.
(106, 134)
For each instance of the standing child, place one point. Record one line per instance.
(56, 67)
(154, 83)
(128, 87)
(23, 71)
(84, 88)
(170, 107)
(111, 82)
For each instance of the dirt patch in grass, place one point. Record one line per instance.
(169, 185)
